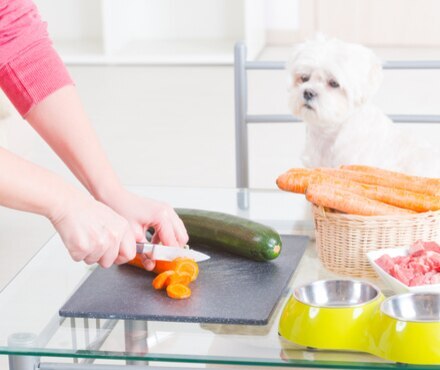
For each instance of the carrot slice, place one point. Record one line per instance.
(190, 267)
(161, 280)
(179, 278)
(179, 265)
(178, 291)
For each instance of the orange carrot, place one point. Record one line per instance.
(178, 265)
(342, 200)
(178, 291)
(297, 180)
(136, 261)
(294, 180)
(161, 280)
(170, 277)
(403, 198)
(173, 275)
(396, 197)
(430, 181)
(376, 176)
(179, 278)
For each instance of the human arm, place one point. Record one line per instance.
(36, 81)
(90, 230)
(61, 121)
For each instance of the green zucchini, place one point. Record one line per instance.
(231, 233)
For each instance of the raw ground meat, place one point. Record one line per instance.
(421, 266)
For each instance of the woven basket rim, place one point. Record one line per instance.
(320, 211)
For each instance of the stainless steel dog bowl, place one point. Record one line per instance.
(407, 329)
(414, 307)
(336, 293)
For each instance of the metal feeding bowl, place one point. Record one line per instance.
(415, 307)
(340, 307)
(336, 293)
(407, 329)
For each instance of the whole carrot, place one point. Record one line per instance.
(401, 180)
(396, 197)
(294, 180)
(348, 202)
(374, 179)
(297, 180)
(403, 198)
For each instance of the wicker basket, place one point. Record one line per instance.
(343, 240)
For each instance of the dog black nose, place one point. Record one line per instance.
(309, 94)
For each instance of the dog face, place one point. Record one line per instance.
(330, 79)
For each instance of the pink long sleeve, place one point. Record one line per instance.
(30, 69)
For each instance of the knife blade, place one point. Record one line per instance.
(164, 253)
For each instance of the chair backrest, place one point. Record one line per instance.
(242, 118)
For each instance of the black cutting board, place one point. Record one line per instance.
(229, 290)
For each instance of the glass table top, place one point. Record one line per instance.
(29, 303)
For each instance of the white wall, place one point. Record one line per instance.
(282, 14)
(74, 20)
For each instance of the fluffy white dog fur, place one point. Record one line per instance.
(331, 87)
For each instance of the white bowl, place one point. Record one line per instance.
(391, 281)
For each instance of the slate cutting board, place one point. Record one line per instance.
(229, 290)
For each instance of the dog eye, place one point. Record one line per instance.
(304, 78)
(333, 83)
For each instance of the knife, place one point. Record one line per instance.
(164, 253)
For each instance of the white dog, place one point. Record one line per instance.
(331, 86)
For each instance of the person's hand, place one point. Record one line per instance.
(143, 213)
(94, 233)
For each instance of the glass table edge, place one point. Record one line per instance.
(214, 360)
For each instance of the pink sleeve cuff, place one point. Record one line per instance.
(33, 75)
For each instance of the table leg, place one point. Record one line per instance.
(243, 200)
(136, 335)
(22, 340)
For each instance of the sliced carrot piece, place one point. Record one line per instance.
(161, 280)
(178, 291)
(188, 266)
(179, 265)
(179, 278)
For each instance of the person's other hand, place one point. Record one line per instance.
(94, 233)
(143, 213)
